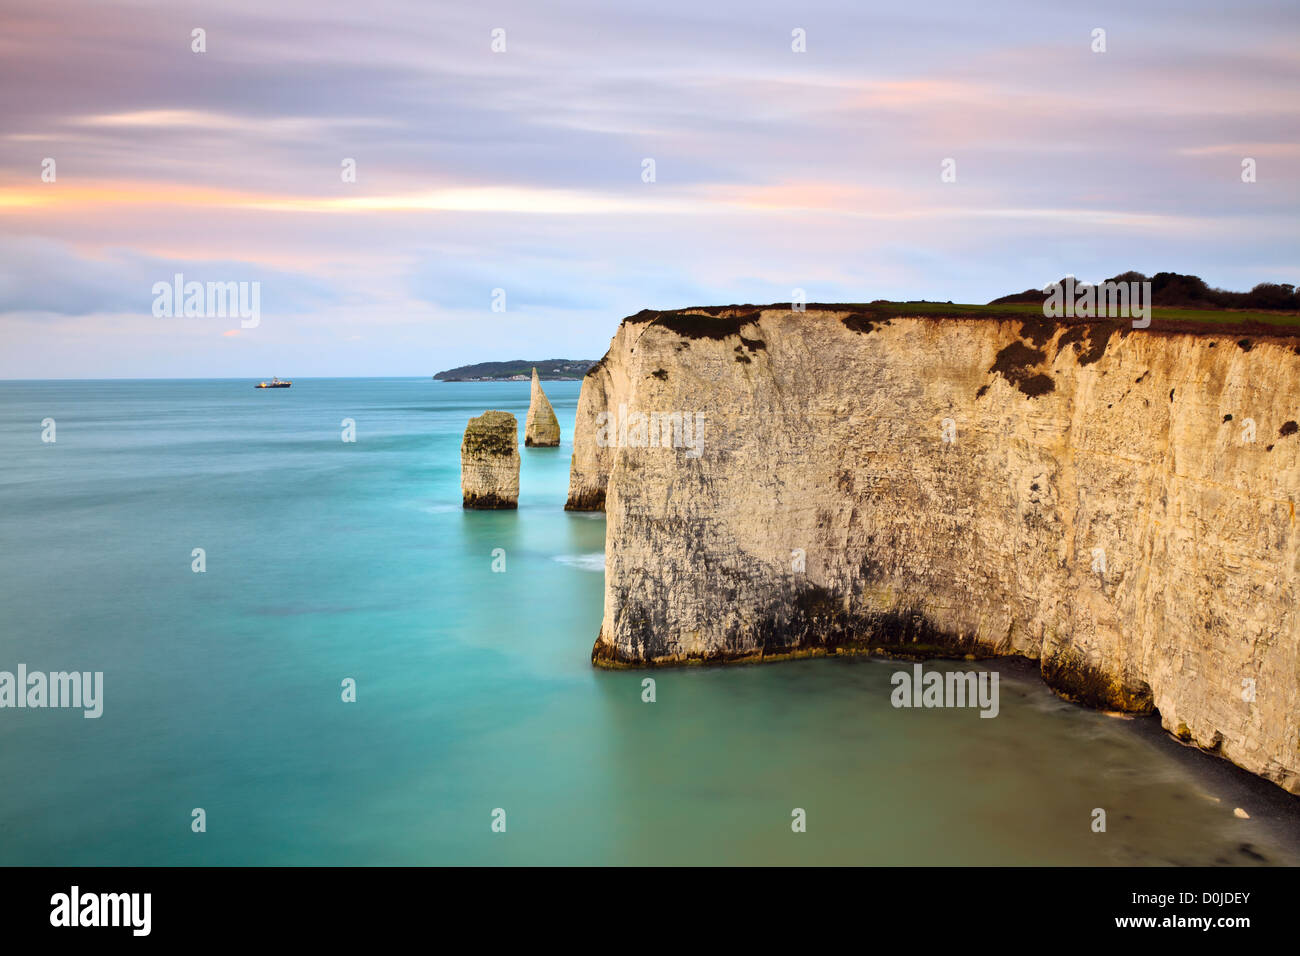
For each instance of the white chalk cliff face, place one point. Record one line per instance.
(541, 427)
(1118, 505)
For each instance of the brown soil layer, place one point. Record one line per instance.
(687, 322)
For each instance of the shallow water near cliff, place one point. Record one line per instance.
(327, 560)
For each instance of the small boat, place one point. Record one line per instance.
(274, 383)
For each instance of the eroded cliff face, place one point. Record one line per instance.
(1086, 496)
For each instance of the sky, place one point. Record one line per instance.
(524, 169)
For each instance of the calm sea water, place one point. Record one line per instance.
(328, 560)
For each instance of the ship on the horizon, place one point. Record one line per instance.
(274, 383)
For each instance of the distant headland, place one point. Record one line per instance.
(519, 370)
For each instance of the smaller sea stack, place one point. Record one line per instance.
(541, 428)
(489, 462)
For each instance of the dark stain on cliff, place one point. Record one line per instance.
(1067, 673)
(904, 633)
(1014, 363)
(660, 374)
(487, 440)
(1089, 342)
(1074, 335)
(1245, 345)
(813, 620)
(692, 326)
(1036, 385)
(645, 315)
(1038, 330)
(1098, 338)
(858, 323)
(1288, 428)
(1015, 358)
(591, 500)
(487, 502)
(803, 621)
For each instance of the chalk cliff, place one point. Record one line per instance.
(489, 462)
(1118, 505)
(541, 427)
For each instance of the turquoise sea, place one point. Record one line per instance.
(328, 560)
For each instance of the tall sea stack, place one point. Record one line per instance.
(489, 462)
(541, 428)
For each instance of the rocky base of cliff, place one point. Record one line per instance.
(811, 624)
(592, 499)
(488, 502)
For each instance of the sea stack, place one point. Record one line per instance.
(489, 462)
(541, 428)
